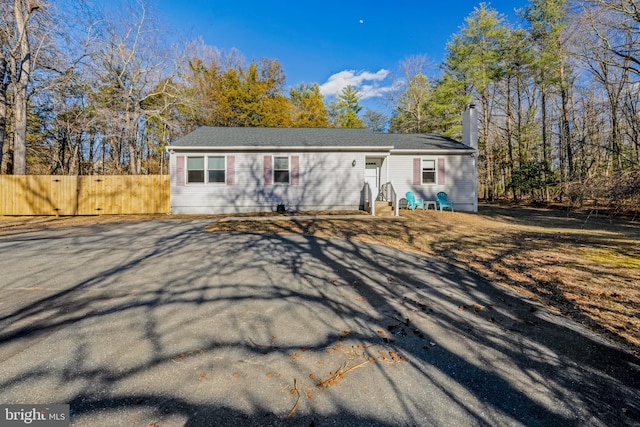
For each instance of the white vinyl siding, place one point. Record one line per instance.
(458, 180)
(317, 181)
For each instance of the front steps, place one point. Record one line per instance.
(384, 209)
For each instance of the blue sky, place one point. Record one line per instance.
(330, 42)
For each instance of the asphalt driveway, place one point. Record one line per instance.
(161, 323)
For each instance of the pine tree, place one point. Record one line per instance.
(548, 21)
(307, 106)
(475, 55)
(346, 108)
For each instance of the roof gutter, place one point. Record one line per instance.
(273, 148)
(434, 151)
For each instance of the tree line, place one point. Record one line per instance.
(87, 91)
(84, 91)
(559, 94)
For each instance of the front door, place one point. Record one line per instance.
(372, 175)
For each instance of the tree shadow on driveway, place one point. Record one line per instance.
(164, 323)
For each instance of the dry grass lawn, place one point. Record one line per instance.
(584, 266)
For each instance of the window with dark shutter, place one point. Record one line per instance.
(417, 164)
(428, 171)
(180, 181)
(295, 170)
(195, 170)
(231, 170)
(268, 177)
(281, 171)
(216, 169)
(441, 171)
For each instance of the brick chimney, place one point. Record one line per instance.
(470, 127)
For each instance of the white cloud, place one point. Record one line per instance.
(370, 85)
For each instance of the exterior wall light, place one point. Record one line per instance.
(353, 163)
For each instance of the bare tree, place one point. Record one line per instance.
(21, 64)
(617, 24)
(130, 65)
(4, 84)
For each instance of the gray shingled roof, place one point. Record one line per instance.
(206, 136)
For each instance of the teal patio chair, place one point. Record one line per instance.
(443, 201)
(412, 202)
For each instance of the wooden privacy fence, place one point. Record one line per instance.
(84, 195)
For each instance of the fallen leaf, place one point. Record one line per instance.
(359, 299)
(236, 375)
(312, 376)
(203, 375)
(309, 395)
(269, 375)
(180, 358)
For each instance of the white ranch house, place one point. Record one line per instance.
(232, 170)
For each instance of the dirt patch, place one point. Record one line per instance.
(24, 224)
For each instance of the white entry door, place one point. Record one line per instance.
(372, 175)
